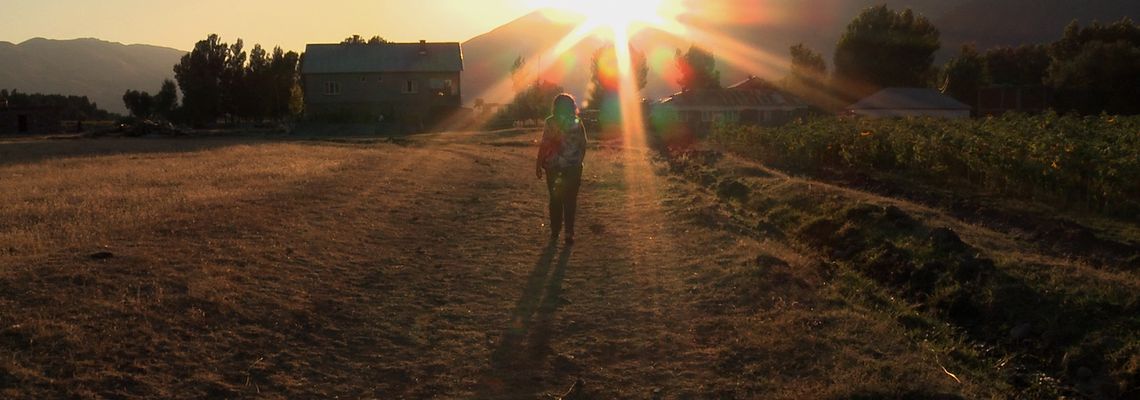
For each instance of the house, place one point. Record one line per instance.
(28, 120)
(909, 102)
(753, 101)
(411, 84)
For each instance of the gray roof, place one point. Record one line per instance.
(752, 92)
(386, 57)
(908, 99)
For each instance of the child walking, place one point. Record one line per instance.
(560, 156)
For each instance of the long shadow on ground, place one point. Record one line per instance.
(518, 362)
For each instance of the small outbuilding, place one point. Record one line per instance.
(28, 120)
(909, 102)
(753, 101)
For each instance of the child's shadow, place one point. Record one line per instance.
(524, 344)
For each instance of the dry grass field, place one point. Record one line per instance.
(419, 268)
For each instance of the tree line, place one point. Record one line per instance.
(163, 105)
(223, 81)
(357, 39)
(1091, 69)
(78, 108)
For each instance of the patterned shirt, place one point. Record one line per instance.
(563, 145)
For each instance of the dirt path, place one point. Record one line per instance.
(422, 270)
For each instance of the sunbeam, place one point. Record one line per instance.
(617, 22)
(544, 61)
(757, 61)
(629, 98)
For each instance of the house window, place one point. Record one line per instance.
(411, 87)
(442, 87)
(332, 88)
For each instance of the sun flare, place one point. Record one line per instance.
(625, 15)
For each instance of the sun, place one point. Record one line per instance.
(615, 21)
(618, 15)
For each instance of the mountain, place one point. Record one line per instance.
(98, 69)
(488, 58)
(760, 32)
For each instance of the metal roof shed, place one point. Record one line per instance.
(909, 102)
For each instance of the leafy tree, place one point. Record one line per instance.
(139, 103)
(235, 93)
(296, 100)
(532, 103)
(357, 39)
(1097, 68)
(166, 101)
(216, 79)
(1075, 37)
(698, 69)
(259, 81)
(964, 74)
(605, 76)
(71, 107)
(885, 48)
(1017, 66)
(199, 75)
(807, 64)
(284, 82)
(807, 74)
(520, 75)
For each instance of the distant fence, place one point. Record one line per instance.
(998, 100)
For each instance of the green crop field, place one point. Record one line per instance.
(1080, 163)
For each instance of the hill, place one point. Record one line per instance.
(94, 68)
(769, 27)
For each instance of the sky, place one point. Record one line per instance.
(286, 23)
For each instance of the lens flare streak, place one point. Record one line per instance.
(632, 122)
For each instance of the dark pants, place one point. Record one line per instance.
(562, 184)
